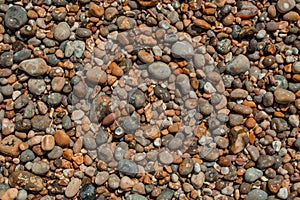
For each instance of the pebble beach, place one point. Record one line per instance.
(149, 99)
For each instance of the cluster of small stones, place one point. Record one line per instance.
(149, 99)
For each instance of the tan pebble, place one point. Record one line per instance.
(272, 11)
(291, 16)
(95, 10)
(116, 70)
(61, 138)
(108, 120)
(202, 23)
(48, 143)
(32, 14)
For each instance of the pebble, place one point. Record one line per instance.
(128, 167)
(15, 17)
(238, 65)
(61, 138)
(283, 96)
(126, 183)
(27, 156)
(137, 98)
(62, 31)
(87, 191)
(101, 177)
(22, 195)
(26, 180)
(159, 71)
(110, 13)
(197, 180)
(89, 142)
(10, 145)
(125, 23)
(252, 174)
(95, 10)
(283, 193)
(36, 86)
(40, 168)
(285, 6)
(73, 187)
(257, 194)
(182, 49)
(165, 157)
(186, 167)
(265, 161)
(40, 122)
(55, 153)
(113, 181)
(34, 67)
(47, 143)
(83, 32)
(166, 194)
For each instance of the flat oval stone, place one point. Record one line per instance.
(159, 70)
(283, 96)
(73, 187)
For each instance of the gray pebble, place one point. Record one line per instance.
(15, 17)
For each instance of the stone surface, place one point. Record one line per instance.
(238, 65)
(26, 180)
(62, 31)
(73, 187)
(10, 145)
(159, 71)
(34, 67)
